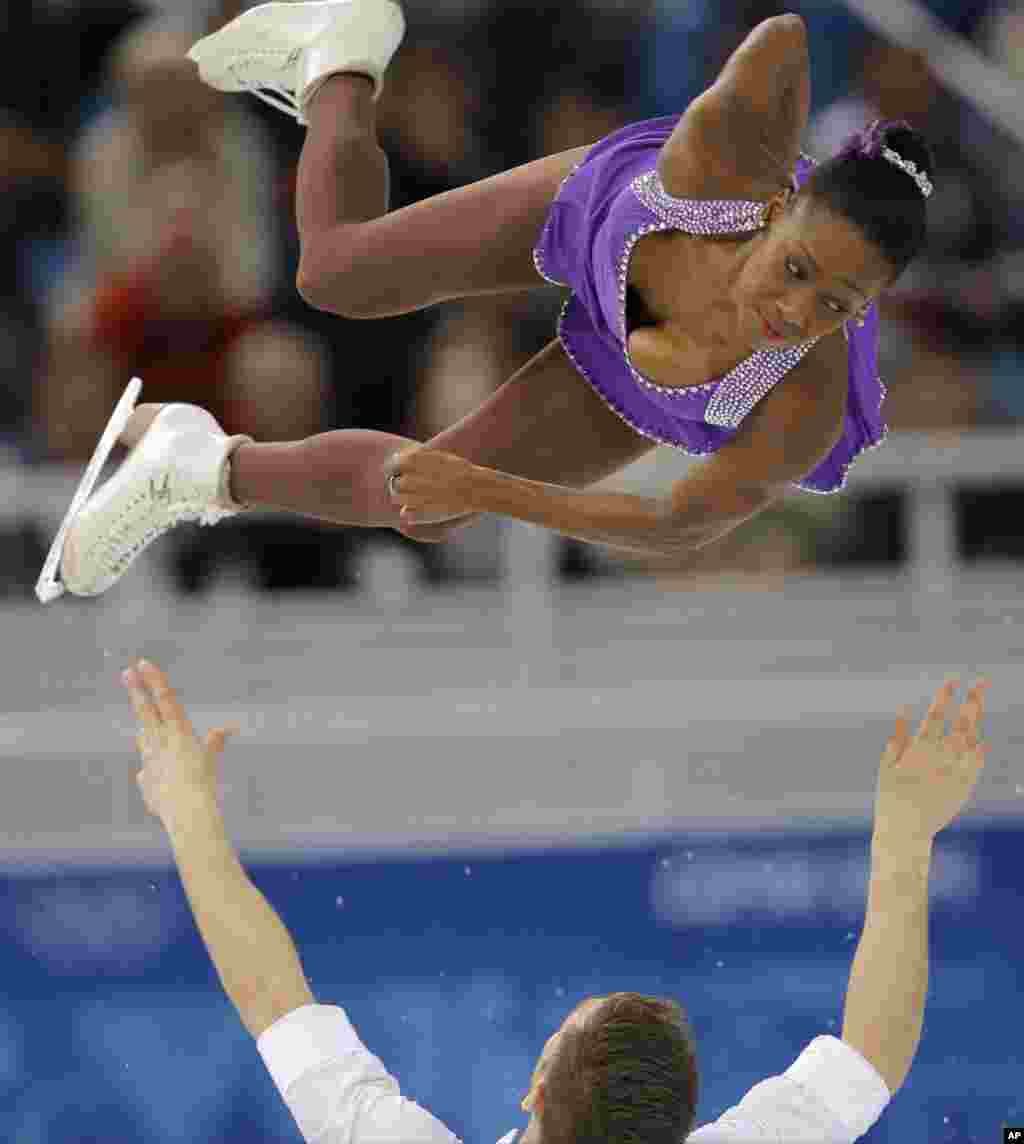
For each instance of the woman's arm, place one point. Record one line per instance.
(746, 128)
(785, 436)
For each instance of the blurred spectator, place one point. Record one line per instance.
(40, 110)
(173, 279)
(31, 186)
(688, 44)
(940, 318)
(590, 47)
(1001, 37)
(429, 115)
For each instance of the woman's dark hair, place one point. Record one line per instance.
(626, 1075)
(881, 198)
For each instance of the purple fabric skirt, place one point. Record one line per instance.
(601, 211)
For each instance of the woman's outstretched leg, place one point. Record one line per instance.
(336, 476)
(545, 423)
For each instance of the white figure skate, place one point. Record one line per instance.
(175, 472)
(283, 52)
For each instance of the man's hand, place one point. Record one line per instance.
(175, 765)
(924, 782)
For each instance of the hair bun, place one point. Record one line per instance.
(896, 134)
(910, 145)
(880, 180)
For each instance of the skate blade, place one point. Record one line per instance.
(48, 587)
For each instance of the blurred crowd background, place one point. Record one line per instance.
(147, 227)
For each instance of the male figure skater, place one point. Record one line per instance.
(621, 1068)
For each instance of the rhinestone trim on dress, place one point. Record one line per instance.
(697, 216)
(736, 393)
(744, 387)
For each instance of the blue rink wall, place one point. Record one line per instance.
(113, 1027)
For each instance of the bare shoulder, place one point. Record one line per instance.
(741, 138)
(797, 424)
(827, 358)
(786, 436)
(818, 385)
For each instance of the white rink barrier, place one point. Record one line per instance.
(929, 468)
(926, 467)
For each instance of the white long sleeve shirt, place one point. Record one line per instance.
(340, 1093)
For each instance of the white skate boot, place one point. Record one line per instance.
(175, 472)
(283, 52)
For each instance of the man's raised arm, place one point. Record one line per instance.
(837, 1088)
(334, 1086)
(922, 786)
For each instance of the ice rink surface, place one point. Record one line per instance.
(500, 716)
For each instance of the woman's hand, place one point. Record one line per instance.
(176, 767)
(433, 486)
(924, 782)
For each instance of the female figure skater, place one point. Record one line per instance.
(722, 292)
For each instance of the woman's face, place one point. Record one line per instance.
(810, 271)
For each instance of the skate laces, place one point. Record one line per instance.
(275, 94)
(121, 547)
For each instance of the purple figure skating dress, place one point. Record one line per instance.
(609, 202)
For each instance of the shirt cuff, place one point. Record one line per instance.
(304, 1039)
(848, 1085)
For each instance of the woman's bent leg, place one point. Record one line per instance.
(343, 171)
(362, 262)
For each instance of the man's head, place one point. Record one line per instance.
(830, 249)
(622, 1069)
(172, 110)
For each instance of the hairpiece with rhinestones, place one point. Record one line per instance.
(870, 144)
